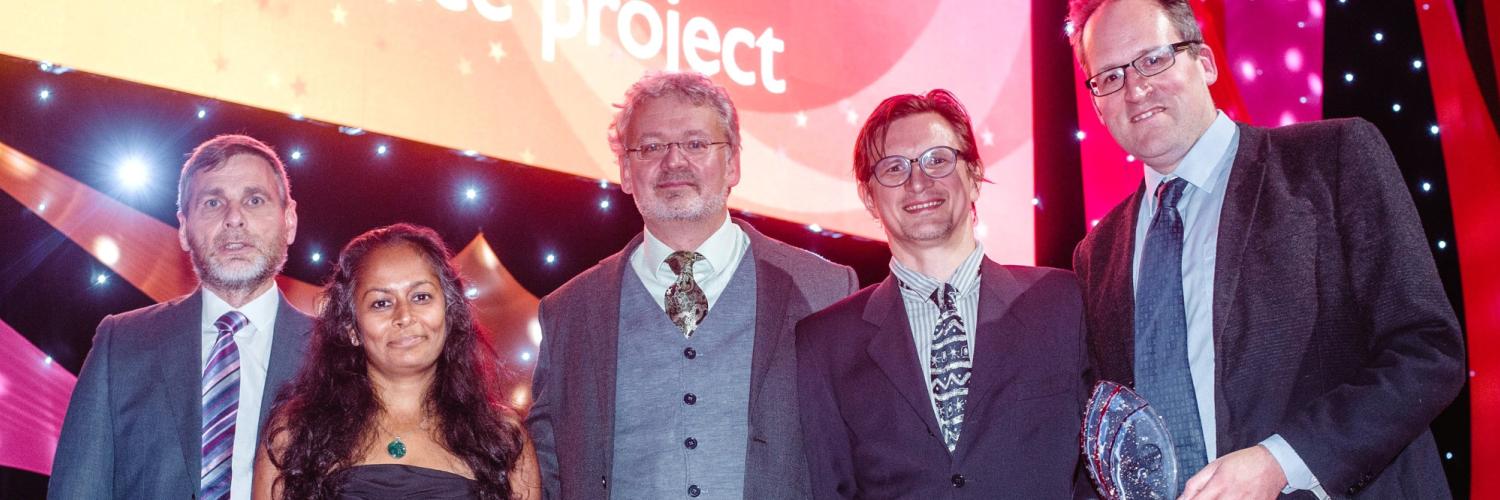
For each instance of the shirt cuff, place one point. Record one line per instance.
(1298, 476)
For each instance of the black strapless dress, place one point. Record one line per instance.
(396, 481)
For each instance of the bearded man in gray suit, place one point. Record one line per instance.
(171, 398)
(669, 368)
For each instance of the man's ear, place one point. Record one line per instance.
(1208, 63)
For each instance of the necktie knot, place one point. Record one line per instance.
(1170, 192)
(944, 297)
(231, 323)
(682, 262)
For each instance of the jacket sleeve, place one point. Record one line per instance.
(540, 420)
(1415, 366)
(826, 437)
(84, 465)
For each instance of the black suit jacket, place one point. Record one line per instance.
(572, 421)
(133, 427)
(1330, 326)
(868, 419)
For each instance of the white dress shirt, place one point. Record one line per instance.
(722, 253)
(1206, 169)
(254, 344)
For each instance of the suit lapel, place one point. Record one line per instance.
(994, 337)
(892, 349)
(287, 350)
(1114, 331)
(773, 288)
(181, 376)
(599, 353)
(1241, 200)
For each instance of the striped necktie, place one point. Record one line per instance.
(221, 402)
(950, 365)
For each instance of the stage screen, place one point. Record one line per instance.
(535, 81)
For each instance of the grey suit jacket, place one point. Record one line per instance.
(572, 421)
(1330, 325)
(133, 427)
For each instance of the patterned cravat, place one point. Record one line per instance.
(1162, 372)
(950, 365)
(686, 303)
(221, 402)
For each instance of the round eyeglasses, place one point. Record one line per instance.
(1152, 63)
(895, 170)
(695, 149)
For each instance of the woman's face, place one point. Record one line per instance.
(399, 311)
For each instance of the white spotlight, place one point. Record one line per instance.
(44, 94)
(471, 194)
(133, 172)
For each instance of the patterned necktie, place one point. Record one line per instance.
(686, 303)
(221, 401)
(1162, 373)
(950, 365)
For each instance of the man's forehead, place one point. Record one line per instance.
(1119, 32)
(243, 172)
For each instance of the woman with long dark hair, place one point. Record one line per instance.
(399, 395)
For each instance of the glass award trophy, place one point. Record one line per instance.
(1127, 447)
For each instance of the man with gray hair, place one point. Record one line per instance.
(667, 370)
(172, 396)
(1269, 291)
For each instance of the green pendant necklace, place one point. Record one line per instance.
(397, 449)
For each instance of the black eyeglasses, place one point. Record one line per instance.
(695, 149)
(1151, 63)
(937, 162)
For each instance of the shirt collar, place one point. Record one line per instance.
(717, 250)
(1202, 162)
(965, 278)
(261, 311)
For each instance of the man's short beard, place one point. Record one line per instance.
(664, 211)
(257, 273)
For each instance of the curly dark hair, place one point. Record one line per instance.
(325, 417)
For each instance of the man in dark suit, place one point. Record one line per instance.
(1268, 290)
(889, 406)
(172, 396)
(667, 369)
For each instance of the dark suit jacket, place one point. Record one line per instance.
(868, 419)
(572, 421)
(134, 424)
(1330, 326)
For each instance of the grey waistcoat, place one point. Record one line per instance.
(665, 447)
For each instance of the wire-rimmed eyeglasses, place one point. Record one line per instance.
(1152, 63)
(695, 149)
(937, 162)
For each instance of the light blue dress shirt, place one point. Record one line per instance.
(1206, 169)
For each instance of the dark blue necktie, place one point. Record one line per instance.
(1162, 373)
